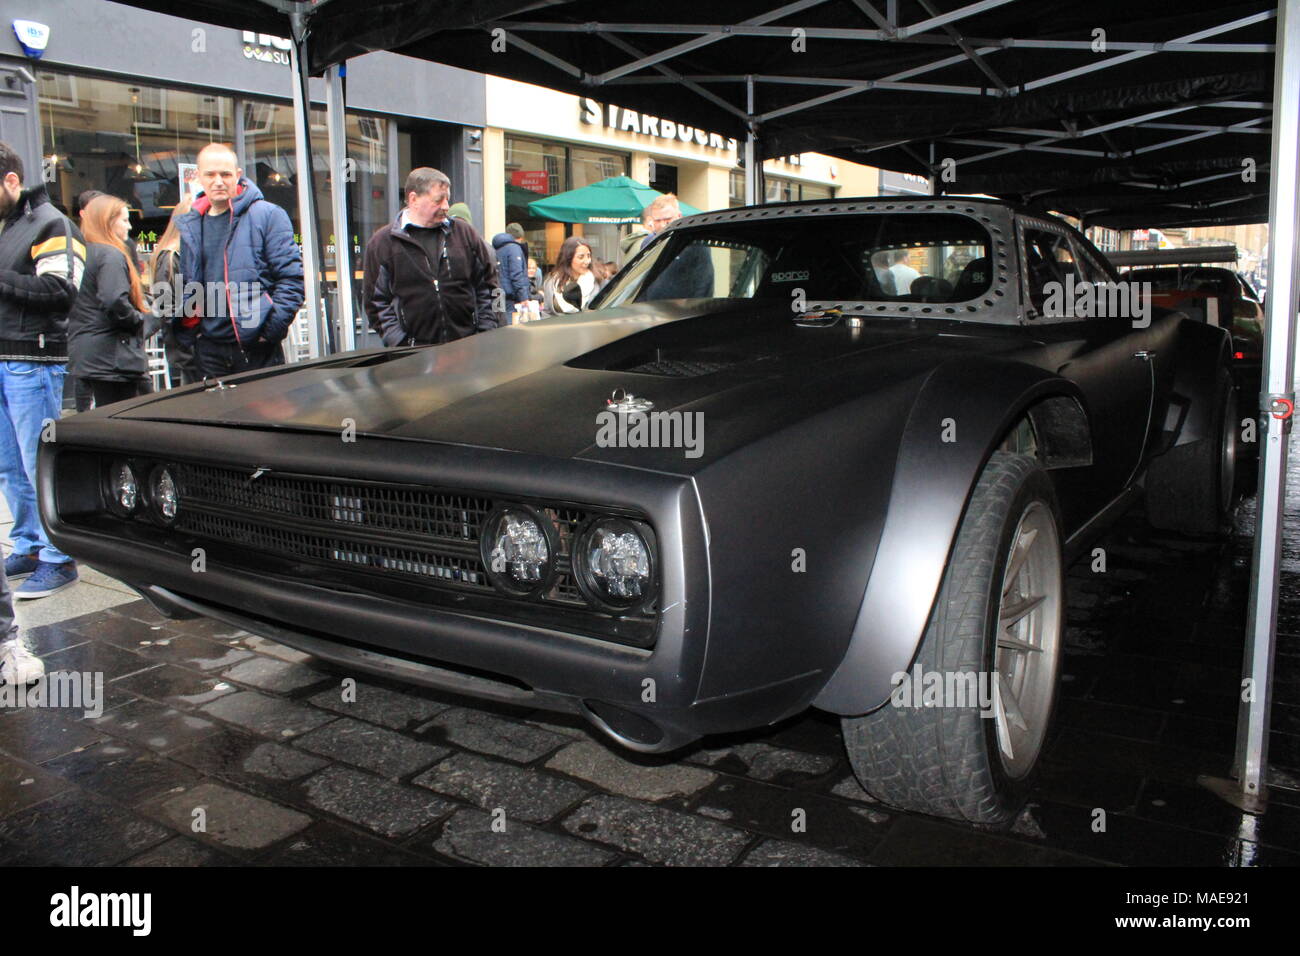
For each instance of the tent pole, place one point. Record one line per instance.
(340, 176)
(309, 222)
(1250, 764)
(751, 148)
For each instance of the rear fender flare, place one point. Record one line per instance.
(932, 482)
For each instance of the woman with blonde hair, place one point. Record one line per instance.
(107, 324)
(169, 306)
(574, 281)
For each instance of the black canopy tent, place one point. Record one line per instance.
(1124, 114)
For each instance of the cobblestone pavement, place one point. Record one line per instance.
(218, 747)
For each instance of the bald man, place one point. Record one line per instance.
(241, 249)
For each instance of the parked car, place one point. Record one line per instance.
(846, 487)
(1216, 294)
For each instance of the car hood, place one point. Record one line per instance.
(540, 388)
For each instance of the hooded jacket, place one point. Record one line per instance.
(42, 260)
(262, 266)
(513, 268)
(106, 332)
(409, 301)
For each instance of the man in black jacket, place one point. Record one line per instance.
(42, 259)
(429, 278)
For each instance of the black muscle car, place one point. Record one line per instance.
(848, 480)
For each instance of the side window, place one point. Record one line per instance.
(1088, 266)
(1049, 262)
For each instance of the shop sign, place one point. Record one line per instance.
(593, 113)
(534, 180)
(268, 49)
(894, 184)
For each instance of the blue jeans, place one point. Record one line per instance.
(30, 393)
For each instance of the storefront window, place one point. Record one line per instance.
(125, 139)
(535, 169)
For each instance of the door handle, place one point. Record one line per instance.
(1145, 355)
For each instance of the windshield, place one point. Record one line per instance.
(872, 258)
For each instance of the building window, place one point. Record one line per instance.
(150, 107)
(56, 89)
(210, 117)
(258, 118)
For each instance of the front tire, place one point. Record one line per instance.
(999, 612)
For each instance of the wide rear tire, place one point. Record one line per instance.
(1192, 487)
(999, 611)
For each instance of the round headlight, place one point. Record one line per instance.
(615, 564)
(163, 493)
(123, 489)
(518, 551)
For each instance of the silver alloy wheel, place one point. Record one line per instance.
(1028, 639)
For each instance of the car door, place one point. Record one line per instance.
(1111, 357)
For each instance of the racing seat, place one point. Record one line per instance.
(973, 280)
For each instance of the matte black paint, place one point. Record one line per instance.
(828, 440)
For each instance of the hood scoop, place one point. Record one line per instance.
(687, 362)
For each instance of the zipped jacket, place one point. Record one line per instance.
(413, 301)
(261, 268)
(42, 261)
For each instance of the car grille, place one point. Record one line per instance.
(413, 532)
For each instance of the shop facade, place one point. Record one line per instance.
(539, 142)
(124, 99)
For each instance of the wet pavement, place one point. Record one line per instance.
(217, 747)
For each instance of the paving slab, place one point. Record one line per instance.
(501, 737)
(633, 775)
(22, 785)
(153, 725)
(233, 819)
(268, 673)
(470, 835)
(383, 751)
(657, 834)
(265, 715)
(489, 784)
(250, 762)
(75, 829)
(387, 808)
(393, 709)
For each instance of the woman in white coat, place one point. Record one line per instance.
(574, 281)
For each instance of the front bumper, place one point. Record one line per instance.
(646, 699)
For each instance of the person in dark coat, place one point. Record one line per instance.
(241, 248)
(108, 324)
(429, 277)
(512, 265)
(168, 300)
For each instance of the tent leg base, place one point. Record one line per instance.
(1230, 791)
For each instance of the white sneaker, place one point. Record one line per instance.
(18, 665)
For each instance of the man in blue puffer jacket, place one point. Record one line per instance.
(241, 249)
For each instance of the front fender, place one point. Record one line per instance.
(973, 402)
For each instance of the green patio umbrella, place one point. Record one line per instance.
(616, 200)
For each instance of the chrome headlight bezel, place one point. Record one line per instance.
(111, 488)
(155, 503)
(504, 581)
(589, 583)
